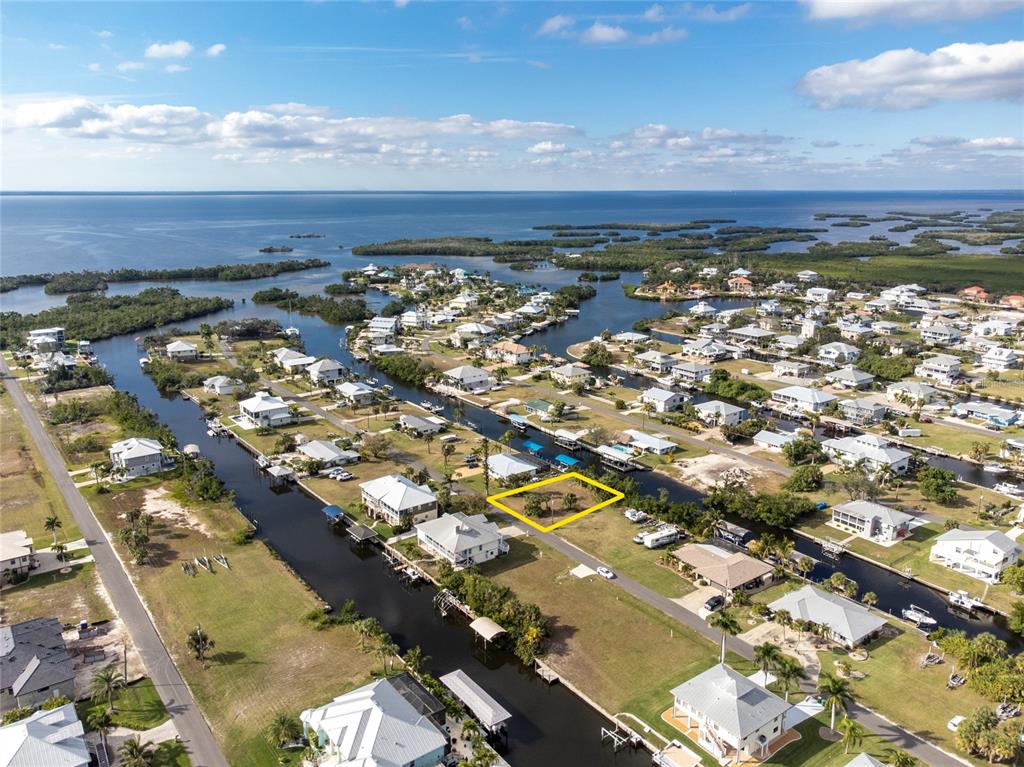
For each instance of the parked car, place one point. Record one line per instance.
(604, 572)
(342, 476)
(954, 724)
(714, 603)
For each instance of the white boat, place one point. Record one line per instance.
(1008, 488)
(292, 332)
(994, 468)
(964, 601)
(372, 381)
(428, 406)
(919, 616)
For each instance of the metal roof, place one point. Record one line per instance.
(485, 708)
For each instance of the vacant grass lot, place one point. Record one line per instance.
(949, 438)
(69, 597)
(266, 659)
(137, 707)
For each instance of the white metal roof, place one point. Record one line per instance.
(484, 707)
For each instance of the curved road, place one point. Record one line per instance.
(193, 729)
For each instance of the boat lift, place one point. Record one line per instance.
(493, 717)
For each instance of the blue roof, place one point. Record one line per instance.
(533, 446)
(566, 460)
(517, 418)
(334, 512)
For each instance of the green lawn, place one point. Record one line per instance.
(953, 440)
(137, 707)
(267, 443)
(69, 597)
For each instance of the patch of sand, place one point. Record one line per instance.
(159, 503)
(708, 470)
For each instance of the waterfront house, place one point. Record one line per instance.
(869, 451)
(47, 361)
(807, 276)
(662, 400)
(356, 393)
(1000, 358)
(911, 392)
(655, 361)
(221, 385)
(464, 302)
(975, 293)
(751, 335)
(740, 285)
(702, 309)
(717, 413)
(508, 469)
(650, 443)
(944, 368)
(802, 399)
(374, 726)
(981, 554)
(45, 738)
(414, 320)
(138, 457)
(46, 339)
(398, 500)
(570, 375)
(993, 328)
(820, 295)
(468, 378)
(692, 372)
(712, 330)
(986, 411)
(182, 351)
(509, 353)
(709, 350)
(791, 368)
(36, 663)
(472, 334)
(728, 571)
(734, 717)
(849, 377)
(770, 308)
(460, 540)
(838, 353)
(850, 624)
(773, 441)
(788, 343)
(630, 338)
(264, 409)
(862, 411)
(872, 521)
(295, 363)
(885, 328)
(17, 555)
(420, 426)
(324, 372)
(940, 335)
(328, 453)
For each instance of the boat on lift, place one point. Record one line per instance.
(1008, 488)
(994, 468)
(292, 332)
(919, 617)
(965, 601)
(471, 425)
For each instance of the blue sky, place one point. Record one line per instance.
(814, 94)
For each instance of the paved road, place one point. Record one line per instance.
(195, 732)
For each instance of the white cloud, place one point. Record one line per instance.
(401, 3)
(465, 23)
(56, 46)
(173, 69)
(824, 143)
(654, 13)
(907, 10)
(129, 66)
(547, 147)
(988, 143)
(94, 67)
(296, 108)
(538, 64)
(105, 33)
(727, 135)
(666, 35)
(216, 49)
(176, 50)
(911, 79)
(600, 33)
(554, 25)
(730, 13)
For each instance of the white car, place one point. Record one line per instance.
(604, 572)
(954, 724)
(342, 476)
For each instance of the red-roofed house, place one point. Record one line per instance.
(740, 284)
(975, 293)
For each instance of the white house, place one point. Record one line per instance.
(733, 715)
(414, 320)
(864, 760)
(398, 500)
(790, 368)
(650, 443)
(868, 450)
(773, 440)
(264, 409)
(849, 377)
(325, 371)
(468, 378)
(570, 375)
(472, 334)
(138, 457)
(944, 368)
(630, 337)
(662, 400)
(55, 737)
(703, 309)
(993, 328)
(374, 726)
(788, 343)
(328, 453)
(182, 350)
(911, 391)
(506, 468)
(709, 349)
(460, 540)
(17, 555)
(509, 353)
(356, 393)
(46, 339)
(692, 372)
(655, 361)
(981, 554)
(820, 295)
(716, 413)
(941, 335)
(838, 353)
(421, 426)
(807, 276)
(1000, 358)
(802, 398)
(221, 385)
(863, 410)
(850, 624)
(291, 360)
(872, 521)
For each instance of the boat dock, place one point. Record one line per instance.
(493, 717)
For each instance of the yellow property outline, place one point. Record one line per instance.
(495, 500)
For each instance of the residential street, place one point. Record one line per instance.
(188, 720)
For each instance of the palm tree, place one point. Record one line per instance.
(106, 685)
(52, 525)
(200, 643)
(428, 438)
(853, 733)
(870, 598)
(447, 448)
(386, 650)
(767, 656)
(134, 753)
(787, 671)
(284, 728)
(99, 721)
(804, 565)
(784, 619)
(59, 549)
(485, 452)
(570, 502)
(725, 622)
(897, 757)
(367, 628)
(506, 438)
(414, 659)
(837, 695)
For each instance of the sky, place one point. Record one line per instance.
(410, 95)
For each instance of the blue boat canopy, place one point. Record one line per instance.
(334, 512)
(566, 460)
(517, 418)
(533, 447)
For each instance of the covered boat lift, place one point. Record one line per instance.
(519, 422)
(361, 533)
(486, 629)
(616, 459)
(491, 714)
(565, 462)
(533, 447)
(334, 513)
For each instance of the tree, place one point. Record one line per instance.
(897, 757)
(1013, 576)
(938, 485)
(106, 685)
(200, 643)
(532, 507)
(428, 438)
(726, 622)
(767, 656)
(788, 670)
(870, 598)
(414, 659)
(853, 733)
(366, 629)
(1016, 619)
(804, 565)
(59, 549)
(805, 479)
(837, 695)
(52, 525)
(802, 450)
(979, 451)
(375, 445)
(386, 650)
(506, 438)
(99, 721)
(284, 728)
(784, 619)
(134, 753)
(485, 452)
(570, 502)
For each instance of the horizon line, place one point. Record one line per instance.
(24, 192)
